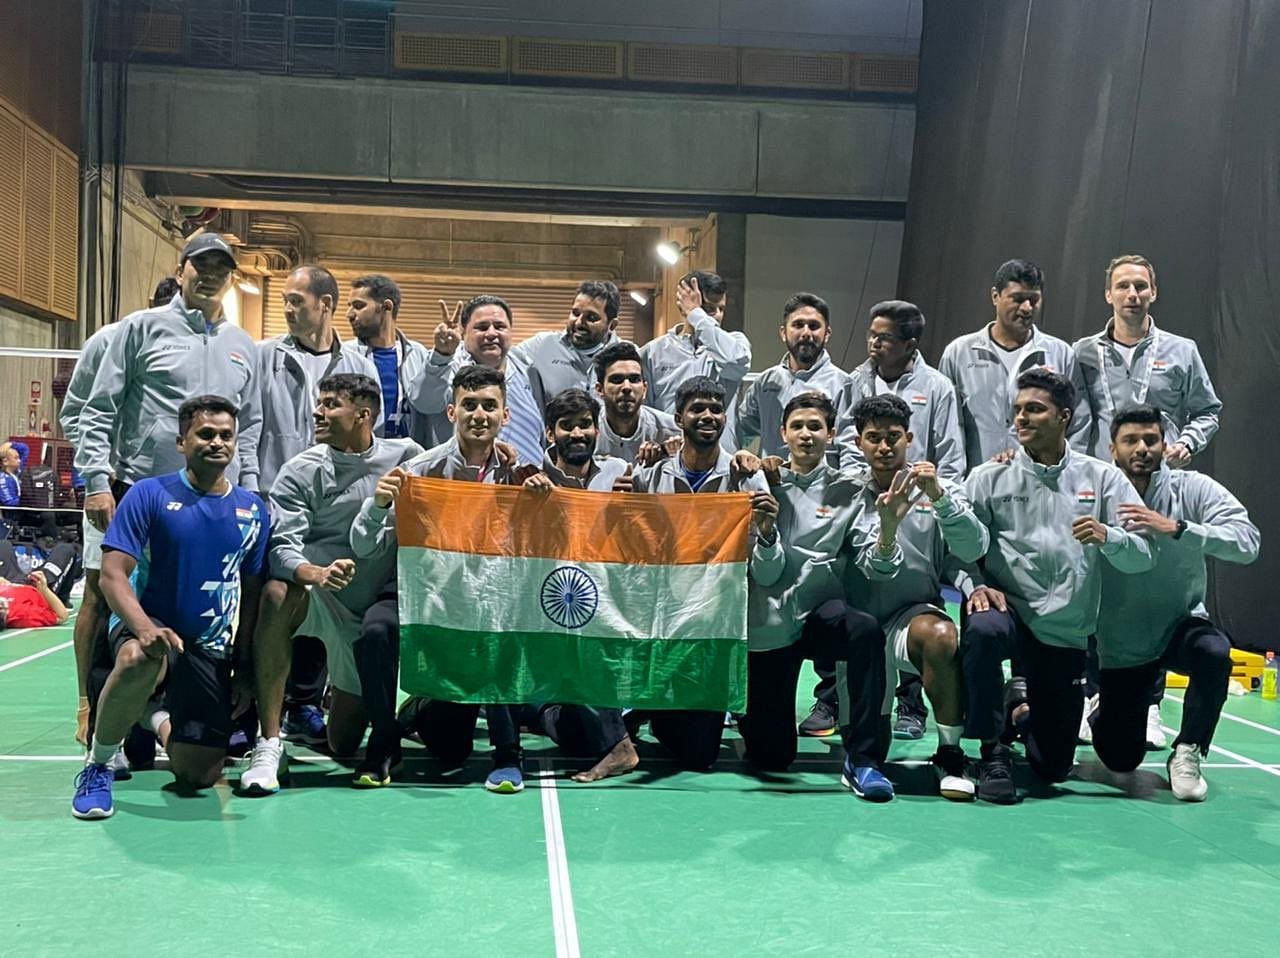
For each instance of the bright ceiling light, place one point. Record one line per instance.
(640, 298)
(248, 287)
(668, 252)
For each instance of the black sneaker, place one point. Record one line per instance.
(909, 726)
(380, 760)
(820, 722)
(995, 776)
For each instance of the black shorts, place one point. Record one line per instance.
(197, 693)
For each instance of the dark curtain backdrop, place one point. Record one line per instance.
(1069, 131)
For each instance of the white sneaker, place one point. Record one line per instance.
(1085, 735)
(1155, 734)
(953, 783)
(269, 764)
(1184, 774)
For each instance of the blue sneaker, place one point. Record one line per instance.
(93, 792)
(505, 781)
(305, 724)
(867, 782)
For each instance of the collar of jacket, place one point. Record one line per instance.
(674, 465)
(1042, 472)
(1104, 337)
(193, 317)
(867, 371)
(823, 360)
(982, 339)
(803, 480)
(561, 478)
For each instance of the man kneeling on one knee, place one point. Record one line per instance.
(179, 555)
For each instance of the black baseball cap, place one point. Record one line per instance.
(208, 243)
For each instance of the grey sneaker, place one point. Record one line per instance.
(269, 764)
(1184, 774)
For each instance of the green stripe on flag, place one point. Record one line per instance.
(517, 667)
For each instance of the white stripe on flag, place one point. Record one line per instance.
(474, 593)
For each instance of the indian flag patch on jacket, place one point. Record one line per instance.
(1087, 496)
(1159, 365)
(919, 399)
(237, 358)
(246, 515)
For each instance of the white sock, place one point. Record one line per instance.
(158, 718)
(949, 734)
(101, 754)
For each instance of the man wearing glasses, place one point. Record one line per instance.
(894, 365)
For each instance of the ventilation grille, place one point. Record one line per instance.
(145, 31)
(451, 53)
(39, 191)
(211, 35)
(66, 180)
(795, 69)
(37, 221)
(11, 132)
(886, 74)
(670, 63)
(575, 59)
(535, 308)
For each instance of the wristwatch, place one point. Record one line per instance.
(1181, 528)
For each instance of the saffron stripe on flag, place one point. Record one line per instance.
(573, 525)
(505, 667)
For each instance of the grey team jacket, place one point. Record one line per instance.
(667, 476)
(435, 393)
(760, 411)
(1139, 612)
(1167, 373)
(654, 426)
(81, 382)
(315, 499)
(289, 399)
(935, 425)
(985, 390)
(672, 359)
(158, 359)
(939, 540)
(1051, 580)
(553, 364)
(374, 530)
(823, 525)
(600, 476)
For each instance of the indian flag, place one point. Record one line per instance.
(607, 599)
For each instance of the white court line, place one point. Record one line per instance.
(31, 658)
(14, 633)
(562, 916)
(1234, 718)
(1270, 770)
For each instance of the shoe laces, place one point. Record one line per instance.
(91, 777)
(1186, 761)
(996, 765)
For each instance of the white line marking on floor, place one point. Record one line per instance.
(1234, 718)
(562, 916)
(1270, 770)
(31, 658)
(14, 633)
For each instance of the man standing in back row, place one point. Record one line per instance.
(1133, 362)
(984, 366)
(699, 346)
(560, 361)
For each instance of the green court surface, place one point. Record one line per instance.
(656, 863)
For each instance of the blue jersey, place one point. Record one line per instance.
(191, 548)
(388, 362)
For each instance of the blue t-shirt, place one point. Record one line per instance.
(10, 489)
(191, 549)
(388, 363)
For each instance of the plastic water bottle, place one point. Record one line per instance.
(1270, 672)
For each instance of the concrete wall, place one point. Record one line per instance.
(470, 135)
(852, 264)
